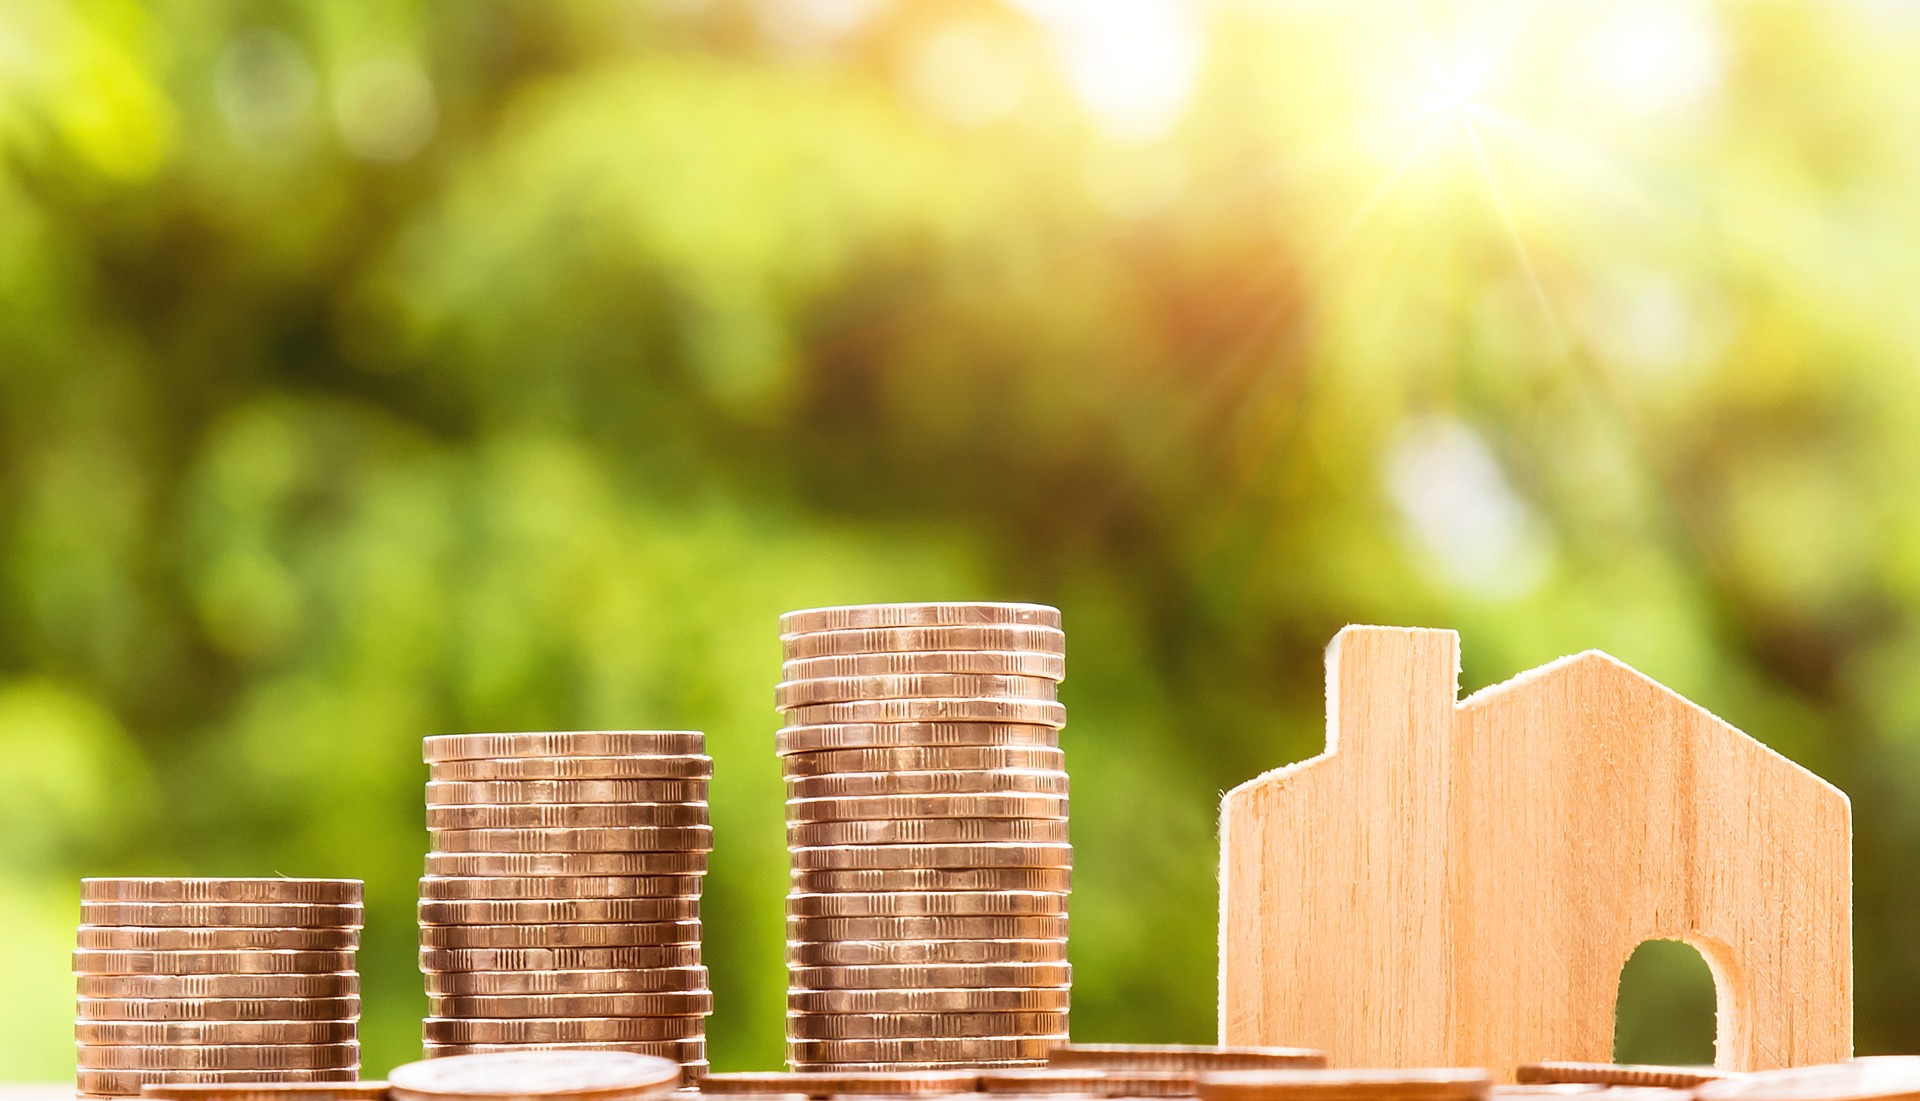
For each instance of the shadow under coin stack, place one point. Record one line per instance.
(927, 829)
(561, 904)
(216, 981)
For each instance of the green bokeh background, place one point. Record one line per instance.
(371, 370)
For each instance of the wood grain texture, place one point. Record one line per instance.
(1459, 882)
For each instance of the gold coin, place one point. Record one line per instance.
(1616, 1074)
(1028, 782)
(857, 953)
(906, 903)
(1006, 1000)
(602, 934)
(912, 976)
(928, 831)
(1016, 663)
(789, 694)
(266, 1091)
(123, 1033)
(519, 816)
(568, 743)
(176, 938)
(649, 979)
(946, 613)
(1087, 1082)
(571, 792)
(243, 961)
(971, 1066)
(925, 758)
(559, 959)
(559, 910)
(311, 892)
(891, 640)
(197, 914)
(559, 888)
(909, 1026)
(675, 839)
(341, 984)
(929, 927)
(1433, 1084)
(691, 1055)
(789, 740)
(221, 1057)
(687, 766)
(1872, 1078)
(561, 1030)
(931, 856)
(923, 709)
(566, 864)
(860, 880)
(128, 1083)
(219, 1009)
(679, 1003)
(1181, 1057)
(879, 1083)
(943, 1050)
(895, 807)
(608, 1076)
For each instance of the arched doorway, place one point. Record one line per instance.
(1665, 1013)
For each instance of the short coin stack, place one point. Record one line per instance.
(561, 904)
(927, 827)
(216, 980)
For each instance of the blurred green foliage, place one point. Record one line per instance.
(375, 370)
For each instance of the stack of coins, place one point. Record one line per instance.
(561, 904)
(927, 827)
(217, 981)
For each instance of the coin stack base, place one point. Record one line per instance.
(927, 829)
(216, 981)
(561, 906)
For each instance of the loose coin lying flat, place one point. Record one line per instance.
(249, 961)
(1087, 1082)
(171, 986)
(908, 903)
(928, 831)
(602, 934)
(560, 1030)
(909, 976)
(924, 758)
(883, 953)
(126, 1083)
(166, 938)
(1616, 1074)
(683, 1003)
(879, 1083)
(957, 1051)
(519, 816)
(1022, 663)
(887, 640)
(220, 1057)
(662, 978)
(566, 864)
(1438, 1084)
(559, 910)
(272, 915)
(480, 792)
(266, 1091)
(928, 928)
(562, 888)
(570, 743)
(899, 1026)
(121, 1033)
(1874, 1078)
(923, 709)
(799, 693)
(933, 856)
(939, 614)
(676, 839)
(1181, 1057)
(895, 807)
(1056, 880)
(558, 959)
(563, 1076)
(678, 767)
(279, 891)
(219, 1009)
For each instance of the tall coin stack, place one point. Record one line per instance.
(927, 828)
(561, 904)
(216, 981)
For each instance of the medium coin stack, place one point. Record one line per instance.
(561, 905)
(216, 981)
(927, 829)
